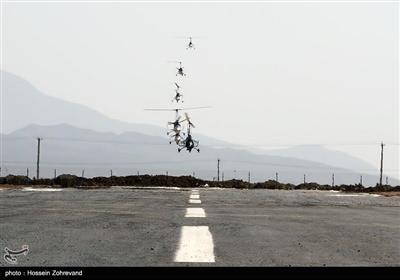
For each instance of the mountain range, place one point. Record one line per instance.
(76, 137)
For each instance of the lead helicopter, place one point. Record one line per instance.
(189, 143)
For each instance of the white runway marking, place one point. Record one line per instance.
(195, 201)
(363, 194)
(195, 213)
(194, 196)
(148, 188)
(195, 245)
(41, 189)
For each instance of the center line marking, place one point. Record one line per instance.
(194, 196)
(195, 201)
(195, 213)
(41, 189)
(195, 245)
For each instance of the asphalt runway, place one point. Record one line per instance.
(125, 226)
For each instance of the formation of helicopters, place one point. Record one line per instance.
(184, 140)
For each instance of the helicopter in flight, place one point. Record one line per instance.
(189, 143)
(180, 70)
(190, 45)
(176, 137)
(176, 130)
(178, 94)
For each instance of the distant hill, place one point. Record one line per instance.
(322, 154)
(69, 150)
(24, 105)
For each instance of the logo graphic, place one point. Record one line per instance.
(10, 255)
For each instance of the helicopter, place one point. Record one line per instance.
(178, 95)
(190, 45)
(176, 128)
(176, 137)
(180, 70)
(189, 143)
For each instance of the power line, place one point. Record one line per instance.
(38, 158)
(218, 170)
(381, 169)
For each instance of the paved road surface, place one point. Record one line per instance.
(135, 227)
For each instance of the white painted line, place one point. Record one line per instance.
(195, 201)
(363, 194)
(195, 213)
(195, 245)
(194, 196)
(374, 195)
(41, 189)
(149, 188)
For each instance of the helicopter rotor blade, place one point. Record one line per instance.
(195, 108)
(176, 109)
(161, 109)
(188, 37)
(187, 116)
(189, 121)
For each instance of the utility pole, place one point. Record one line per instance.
(222, 176)
(83, 173)
(27, 172)
(111, 172)
(38, 158)
(218, 170)
(304, 178)
(194, 174)
(333, 179)
(276, 177)
(380, 177)
(138, 173)
(387, 180)
(167, 173)
(361, 180)
(249, 177)
(55, 173)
